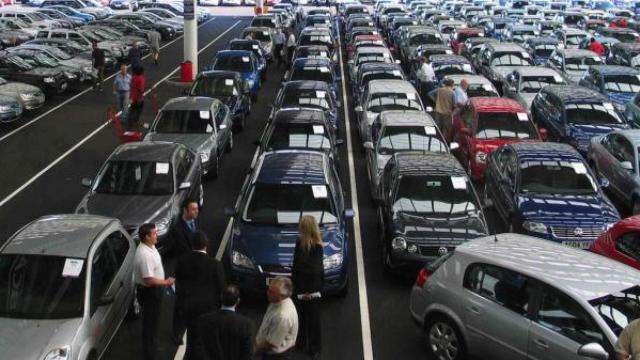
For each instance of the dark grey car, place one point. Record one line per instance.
(203, 124)
(573, 63)
(145, 182)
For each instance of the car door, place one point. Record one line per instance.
(503, 186)
(623, 179)
(553, 120)
(560, 326)
(628, 248)
(223, 126)
(604, 158)
(496, 312)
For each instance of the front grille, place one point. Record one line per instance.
(576, 232)
(276, 269)
(432, 251)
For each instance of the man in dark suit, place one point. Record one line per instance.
(199, 283)
(181, 232)
(226, 334)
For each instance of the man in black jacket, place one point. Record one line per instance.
(199, 283)
(181, 232)
(226, 334)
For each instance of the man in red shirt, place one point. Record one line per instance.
(596, 47)
(136, 97)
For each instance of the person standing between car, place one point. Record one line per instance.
(307, 275)
(154, 42)
(291, 46)
(444, 108)
(628, 344)
(226, 334)
(461, 102)
(426, 72)
(278, 48)
(135, 55)
(136, 96)
(199, 283)
(150, 287)
(279, 329)
(97, 57)
(121, 88)
(596, 46)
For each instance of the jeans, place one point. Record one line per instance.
(134, 113)
(309, 335)
(122, 102)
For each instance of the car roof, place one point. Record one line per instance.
(299, 116)
(583, 274)
(496, 104)
(420, 163)
(232, 53)
(535, 71)
(448, 59)
(576, 52)
(505, 47)
(58, 235)
(291, 167)
(574, 93)
(536, 152)
(615, 70)
(406, 118)
(145, 151)
(219, 73)
(306, 85)
(391, 86)
(546, 40)
(190, 103)
(305, 62)
(473, 79)
(633, 135)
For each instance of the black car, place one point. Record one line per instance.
(496, 60)
(124, 27)
(228, 87)
(375, 71)
(428, 207)
(39, 58)
(308, 94)
(625, 54)
(51, 81)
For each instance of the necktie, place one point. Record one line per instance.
(192, 226)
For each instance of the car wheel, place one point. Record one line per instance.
(135, 309)
(444, 340)
(230, 144)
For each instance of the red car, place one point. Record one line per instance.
(621, 242)
(490, 123)
(461, 35)
(364, 40)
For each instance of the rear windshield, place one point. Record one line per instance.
(404, 138)
(234, 63)
(556, 177)
(622, 83)
(184, 122)
(592, 114)
(299, 136)
(318, 99)
(120, 177)
(435, 194)
(505, 126)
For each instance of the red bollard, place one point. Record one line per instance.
(186, 71)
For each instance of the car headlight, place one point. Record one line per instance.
(332, 262)
(250, 83)
(241, 260)
(162, 226)
(49, 79)
(70, 75)
(399, 243)
(481, 157)
(28, 96)
(535, 227)
(61, 353)
(204, 157)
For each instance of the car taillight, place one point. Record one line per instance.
(422, 277)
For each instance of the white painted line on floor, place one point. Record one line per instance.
(94, 132)
(224, 241)
(182, 348)
(365, 324)
(41, 116)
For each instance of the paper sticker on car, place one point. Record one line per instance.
(318, 129)
(228, 82)
(162, 168)
(459, 182)
(72, 267)
(319, 191)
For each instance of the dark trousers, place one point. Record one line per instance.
(277, 53)
(290, 51)
(135, 112)
(99, 77)
(444, 123)
(282, 356)
(150, 299)
(309, 334)
(195, 347)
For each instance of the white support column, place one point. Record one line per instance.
(191, 34)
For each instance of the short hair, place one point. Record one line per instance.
(230, 295)
(189, 200)
(94, 43)
(284, 285)
(199, 240)
(145, 229)
(448, 82)
(137, 69)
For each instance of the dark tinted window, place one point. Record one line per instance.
(135, 178)
(506, 287)
(302, 136)
(505, 126)
(120, 247)
(184, 122)
(629, 244)
(214, 87)
(556, 177)
(435, 194)
(234, 63)
(103, 271)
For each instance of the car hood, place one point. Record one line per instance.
(574, 75)
(76, 63)
(42, 71)
(577, 210)
(195, 142)
(130, 209)
(16, 88)
(584, 133)
(33, 339)
(444, 228)
(620, 98)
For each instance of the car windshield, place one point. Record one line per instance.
(505, 126)
(318, 73)
(628, 37)
(92, 37)
(477, 90)
(318, 99)
(312, 52)
(184, 122)
(452, 69)
(511, 60)
(574, 39)
(381, 75)
(581, 63)
(285, 204)
(241, 64)
(403, 138)
(421, 39)
(309, 40)
(592, 114)
(122, 177)
(373, 58)
(523, 35)
(41, 287)
(619, 309)
(20, 62)
(262, 36)
(299, 136)
(263, 22)
(556, 177)
(254, 48)
(214, 87)
(622, 83)
(544, 50)
(435, 194)
(393, 101)
(533, 84)
(36, 16)
(45, 59)
(60, 54)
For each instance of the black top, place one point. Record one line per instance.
(98, 57)
(135, 57)
(180, 238)
(226, 335)
(199, 283)
(307, 273)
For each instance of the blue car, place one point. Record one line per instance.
(69, 11)
(257, 50)
(315, 69)
(541, 48)
(243, 62)
(497, 25)
(618, 83)
(574, 114)
(283, 186)
(547, 190)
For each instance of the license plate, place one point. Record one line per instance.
(577, 244)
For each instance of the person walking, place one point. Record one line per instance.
(628, 345)
(444, 108)
(199, 283)
(136, 95)
(135, 55)
(154, 43)
(226, 334)
(150, 287)
(291, 46)
(307, 275)
(278, 48)
(97, 58)
(279, 329)
(596, 46)
(121, 88)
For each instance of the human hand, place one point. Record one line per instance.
(170, 281)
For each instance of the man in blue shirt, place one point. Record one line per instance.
(121, 88)
(461, 100)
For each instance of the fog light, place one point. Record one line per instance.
(412, 248)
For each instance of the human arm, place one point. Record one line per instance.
(158, 282)
(623, 345)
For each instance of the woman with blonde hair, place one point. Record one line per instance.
(307, 275)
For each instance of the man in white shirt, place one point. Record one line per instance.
(279, 329)
(291, 46)
(426, 73)
(150, 282)
(278, 46)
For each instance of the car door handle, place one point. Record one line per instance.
(474, 310)
(542, 344)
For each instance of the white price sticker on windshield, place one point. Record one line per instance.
(318, 129)
(245, 59)
(72, 267)
(397, 73)
(411, 96)
(265, 33)
(209, 129)
(323, 53)
(608, 106)
(162, 168)
(466, 67)
(430, 130)
(386, 55)
(487, 87)
(319, 191)
(254, 46)
(204, 114)
(323, 70)
(448, 52)
(228, 82)
(321, 94)
(523, 117)
(459, 182)
(557, 78)
(525, 55)
(579, 168)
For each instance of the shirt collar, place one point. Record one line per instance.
(228, 308)
(202, 251)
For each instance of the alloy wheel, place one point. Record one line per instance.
(443, 341)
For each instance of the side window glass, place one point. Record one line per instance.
(505, 287)
(119, 246)
(182, 167)
(42, 34)
(102, 273)
(636, 100)
(629, 244)
(221, 113)
(626, 151)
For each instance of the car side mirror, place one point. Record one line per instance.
(603, 182)
(105, 300)
(626, 165)
(543, 134)
(454, 146)
(368, 145)
(184, 185)
(358, 108)
(349, 213)
(593, 351)
(86, 182)
(231, 212)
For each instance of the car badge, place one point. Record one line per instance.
(578, 231)
(442, 250)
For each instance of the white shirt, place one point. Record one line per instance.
(147, 263)
(427, 73)
(291, 41)
(279, 326)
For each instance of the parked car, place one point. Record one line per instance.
(620, 243)
(506, 296)
(39, 58)
(72, 12)
(86, 6)
(375, 71)
(115, 48)
(519, 34)
(30, 97)
(625, 54)
(458, 39)
(571, 37)
(540, 48)
(572, 63)
(619, 83)
(257, 50)
(496, 60)
(242, 62)
(10, 109)
(262, 34)
(524, 83)
(443, 66)
(15, 68)
(131, 5)
(148, 21)
(70, 21)
(308, 94)
(315, 70)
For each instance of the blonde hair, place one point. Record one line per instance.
(309, 233)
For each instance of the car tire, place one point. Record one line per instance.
(135, 308)
(213, 172)
(444, 340)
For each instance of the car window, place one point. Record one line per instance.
(563, 315)
(182, 167)
(508, 288)
(621, 149)
(103, 272)
(221, 113)
(629, 244)
(119, 246)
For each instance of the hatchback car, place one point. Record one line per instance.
(243, 62)
(29, 96)
(625, 54)
(618, 83)
(262, 34)
(540, 48)
(284, 186)
(570, 37)
(572, 63)
(375, 71)
(547, 190)
(66, 285)
(621, 242)
(496, 60)
(308, 94)
(524, 83)
(509, 296)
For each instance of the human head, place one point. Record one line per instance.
(309, 232)
(279, 289)
(464, 84)
(593, 39)
(148, 234)
(448, 82)
(190, 209)
(123, 68)
(94, 44)
(230, 296)
(134, 45)
(199, 241)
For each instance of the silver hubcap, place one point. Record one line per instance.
(201, 200)
(443, 341)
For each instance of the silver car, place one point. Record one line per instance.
(524, 83)
(614, 157)
(30, 97)
(66, 284)
(203, 124)
(510, 296)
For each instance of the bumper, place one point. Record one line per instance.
(33, 103)
(578, 242)
(405, 262)
(57, 87)
(10, 115)
(256, 283)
